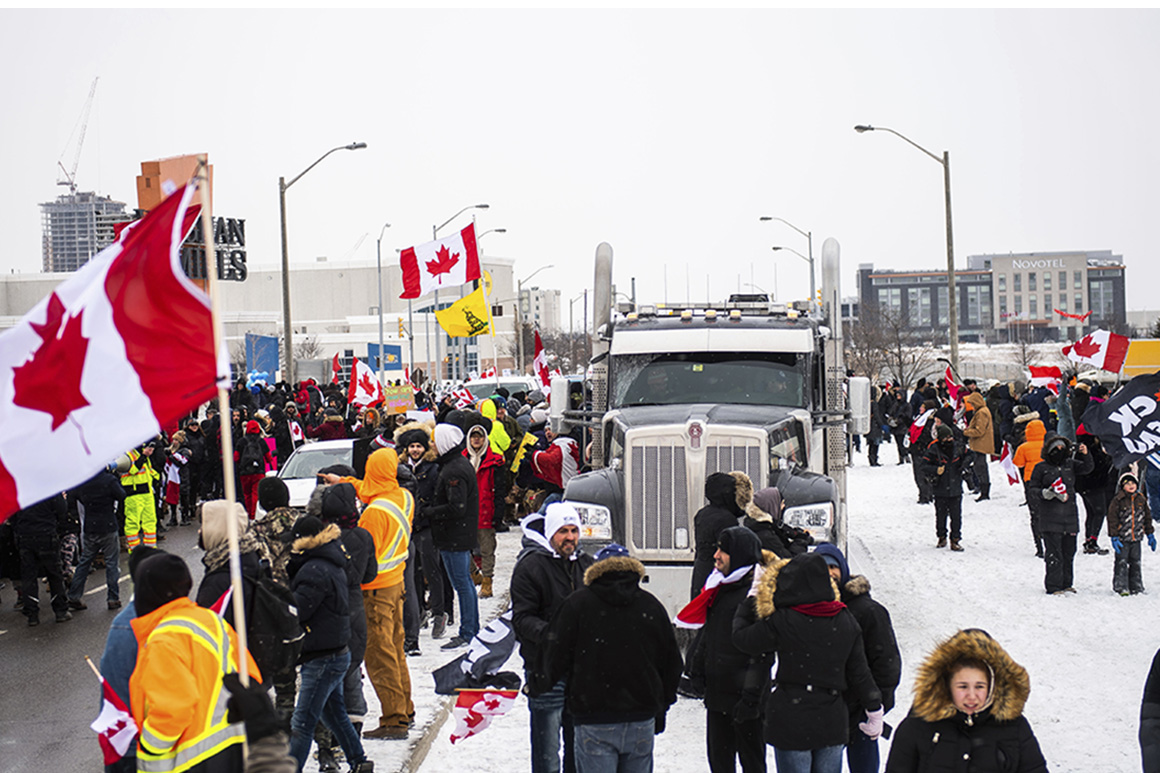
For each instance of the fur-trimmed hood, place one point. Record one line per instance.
(858, 585)
(743, 490)
(1010, 683)
(767, 585)
(329, 534)
(616, 580)
(427, 428)
(613, 564)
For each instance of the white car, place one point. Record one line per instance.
(301, 470)
(486, 387)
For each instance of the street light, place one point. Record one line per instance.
(810, 260)
(571, 333)
(952, 301)
(435, 236)
(379, 254)
(810, 242)
(520, 314)
(494, 350)
(287, 331)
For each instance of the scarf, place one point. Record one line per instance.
(694, 614)
(820, 608)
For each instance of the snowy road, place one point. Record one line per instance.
(1088, 654)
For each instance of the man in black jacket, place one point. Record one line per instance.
(550, 566)
(882, 655)
(36, 529)
(722, 512)
(454, 526)
(614, 643)
(98, 499)
(942, 464)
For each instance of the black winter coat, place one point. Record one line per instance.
(1150, 719)
(772, 537)
(426, 474)
(819, 657)
(712, 519)
(1058, 517)
(950, 482)
(882, 654)
(615, 644)
(318, 580)
(217, 581)
(455, 513)
(730, 675)
(362, 568)
(540, 583)
(45, 518)
(100, 496)
(951, 746)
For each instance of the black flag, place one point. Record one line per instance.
(1128, 423)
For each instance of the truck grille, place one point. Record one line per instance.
(666, 480)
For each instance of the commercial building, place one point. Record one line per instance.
(541, 308)
(76, 227)
(1016, 296)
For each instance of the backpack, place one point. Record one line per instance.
(274, 634)
(251, 461)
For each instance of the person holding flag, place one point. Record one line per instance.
(1053, 481)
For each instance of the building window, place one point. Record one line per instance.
(1046, 280)
(1047, 309)
(920, 316)
(1002, 283)
(1018, 282)
(1063, 301)
(1078, 285)
(890, 298)
(1002, 308)
(1062, 280)
(943, 304)
(1018, 305)
(985, 305)
(1032, 306)
(1102, 301)
(1078, 303)
(1031, 282)
(976, 299)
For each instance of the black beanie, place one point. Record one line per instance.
(161, 579)
(139, 554)
(742, 545)
(273, 493)
(414, 436)
(340, 505)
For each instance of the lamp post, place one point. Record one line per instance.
(490, 325)
(435, 236)
(952, 300)
(520, 314)
(810, 248)
(810, 260)
(571, 333)
(379, 258)
(287, 331)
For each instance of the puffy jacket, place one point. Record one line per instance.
(100, 496)
(980, 434)
(1055, 515)
(455, 513)
(176, 692)
(1129, 517)
(318, 579)
(726, 506)
(388, 516)
(937, 456)
(1030, 451)
(45, 518)
(491, 480)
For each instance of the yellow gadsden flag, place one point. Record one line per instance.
(466, 317)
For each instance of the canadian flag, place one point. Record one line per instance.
(114, 726)
(474, 710)
(120, 349)
(223, 601)
(447, 262)
(1045, 376)
(463, 398)
(540, 363)
(1059, 487)
(489, 373)
(365, 388)
(1007, 462)
(335, 369)
(296, 433)
(953, 387)
(1099, 349)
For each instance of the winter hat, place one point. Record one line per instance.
(273, 493)
(447, 436)
(455, 418)
(945, 433)
(721, 490)
(539, 417)
(252, 427)
(834, 557)
(341, 470)
(804, 580)
(769, 500)
(413, 436)
(306, 526)
(138, 555)
(340, 505)
(215, 527)
(742, 545)
(160, 579)
(1127, 476)
(611, 550)
(559, 515)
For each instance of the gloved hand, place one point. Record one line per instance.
(942, 468)
(253, 706)
(659, 723)
(872, 727)
(758, 571)
(1118, 544)
(1049, 493)
(1152, 542)
(746, 709)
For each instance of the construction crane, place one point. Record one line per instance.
(83, 122)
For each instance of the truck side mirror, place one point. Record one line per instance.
(859, 395)
(558, 403)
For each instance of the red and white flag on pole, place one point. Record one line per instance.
(448, 262)
(1100, 349)
(223, 601)
(463, 398)
(1059, 487)
(120, 349)
(489, 373)
(365, 388)
(953, 387)
(474, 710)
(540, 363)
(1045, 376)
(114, 726)
(1007, 462)
(335, 369)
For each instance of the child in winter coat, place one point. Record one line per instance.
(1129, 521)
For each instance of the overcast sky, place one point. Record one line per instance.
(665, 133)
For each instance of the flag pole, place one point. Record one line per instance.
(92, 666)
(225, 422)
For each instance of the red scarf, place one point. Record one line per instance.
(820, 608)
(694, 614)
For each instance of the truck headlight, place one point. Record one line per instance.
(817, 519)
(595, 521)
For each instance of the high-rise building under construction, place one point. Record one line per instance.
(76, 227)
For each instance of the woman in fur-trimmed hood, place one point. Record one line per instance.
(967, 713)
(796, 612)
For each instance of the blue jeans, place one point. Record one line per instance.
(548, 718)
(458, 565)
(624, 747)
(110, 545)
(828, 759)
(862, 753)
(321, 696)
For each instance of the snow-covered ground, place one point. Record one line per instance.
(1087, 654)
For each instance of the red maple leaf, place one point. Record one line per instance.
(1086, 347)
(51, 381)
(367, 385)
(444, 262)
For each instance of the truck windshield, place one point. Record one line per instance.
(740, 378)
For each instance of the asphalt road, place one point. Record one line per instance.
(48, 694)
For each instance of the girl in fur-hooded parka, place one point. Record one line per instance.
(796, 613)
(945, 731)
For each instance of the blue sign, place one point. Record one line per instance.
(261, 353)
(392, 357)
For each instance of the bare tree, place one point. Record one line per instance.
(238, 360)
(307, 348)
(866, 350)
(907, 352)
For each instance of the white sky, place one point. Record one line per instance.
(665, 133)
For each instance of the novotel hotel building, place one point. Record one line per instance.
(1007, 297)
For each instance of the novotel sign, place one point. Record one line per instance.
(1056, 263)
